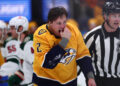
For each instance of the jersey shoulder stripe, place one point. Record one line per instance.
(7, 40)
(27, 39)
(93, 31)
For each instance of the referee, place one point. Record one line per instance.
(104, 45)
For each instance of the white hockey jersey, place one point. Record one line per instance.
(13, 53)
(27, 47)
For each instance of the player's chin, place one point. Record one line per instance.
(58, 35)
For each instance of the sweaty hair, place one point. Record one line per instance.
(56, 12)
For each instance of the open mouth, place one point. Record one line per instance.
(116, 23)
(61, 31)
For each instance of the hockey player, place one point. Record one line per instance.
(58, 49)
(3, 32)
(12, 51)
(27, 46)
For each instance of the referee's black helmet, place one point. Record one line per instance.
(111, 7)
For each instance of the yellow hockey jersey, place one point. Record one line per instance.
(66, 69)
(1, 59)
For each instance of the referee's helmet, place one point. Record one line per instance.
(111, 7)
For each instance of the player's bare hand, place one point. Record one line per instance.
(66, 33)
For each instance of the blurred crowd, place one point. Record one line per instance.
(87, 13)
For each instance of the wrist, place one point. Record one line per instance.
(63, 42)
(90, 75)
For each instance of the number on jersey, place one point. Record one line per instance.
(11, 48)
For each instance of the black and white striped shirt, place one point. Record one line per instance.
(105, 50)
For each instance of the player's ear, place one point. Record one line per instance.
(50, 22)
(20, 29)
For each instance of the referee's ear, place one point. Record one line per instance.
(105, 17)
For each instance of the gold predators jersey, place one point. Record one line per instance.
(1, 59)
(66, 69)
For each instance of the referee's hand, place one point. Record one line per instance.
(91, 82)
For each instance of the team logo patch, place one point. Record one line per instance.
(42, 31)
(68, 56)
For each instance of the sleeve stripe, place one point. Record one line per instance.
(90, 41)
(83, 57)
(43, 60)
(20, 75)
(90, 33)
